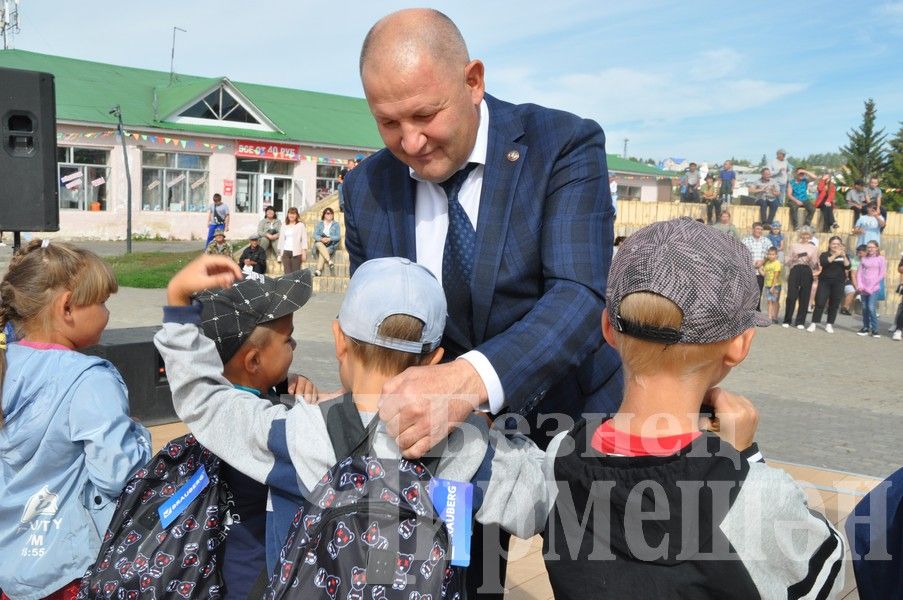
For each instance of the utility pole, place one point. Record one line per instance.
(172, 54)
(625, 147)
(116, 111)
(9, 21)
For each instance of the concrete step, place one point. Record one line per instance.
(330, 284)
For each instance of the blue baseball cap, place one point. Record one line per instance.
(383, 287)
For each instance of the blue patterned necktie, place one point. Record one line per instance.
(457, 258)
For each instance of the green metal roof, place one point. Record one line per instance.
(622, 165)
(86, 90)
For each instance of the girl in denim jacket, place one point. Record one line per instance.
(67, 444)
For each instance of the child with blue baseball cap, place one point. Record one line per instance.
(392, 317)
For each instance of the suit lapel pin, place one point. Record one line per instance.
(512, 155)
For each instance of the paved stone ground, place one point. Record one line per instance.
(830, 401)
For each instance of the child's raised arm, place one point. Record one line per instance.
(203, 273)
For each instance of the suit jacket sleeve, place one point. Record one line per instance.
(563, 327)
(353, 244)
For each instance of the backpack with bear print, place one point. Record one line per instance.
(367, 530)
(141, 557)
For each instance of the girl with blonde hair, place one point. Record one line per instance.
(67, 444)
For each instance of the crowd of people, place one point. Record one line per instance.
(275, 241)
(604, 431)
(805, 191)
(825, 283)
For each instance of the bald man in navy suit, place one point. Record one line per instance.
(509, 206)
(537, 195)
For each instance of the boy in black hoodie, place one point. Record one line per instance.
(649, 506)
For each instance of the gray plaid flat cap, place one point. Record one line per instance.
(707, 273)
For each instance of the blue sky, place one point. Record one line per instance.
(702, 80)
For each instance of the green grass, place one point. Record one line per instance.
(149, 269)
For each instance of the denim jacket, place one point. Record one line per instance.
(67, 448)
(334, 233)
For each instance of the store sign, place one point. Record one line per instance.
(175, 180)
(228, 187)
(267, 151)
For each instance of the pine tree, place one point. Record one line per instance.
(865, 153)
(763, 161)
(893, 176)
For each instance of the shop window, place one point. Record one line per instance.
(83, 174)
(629, 192)
(173, 181)
(328, 179)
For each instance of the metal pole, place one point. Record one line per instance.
(4, 22)
(116, 110)
(172, 55)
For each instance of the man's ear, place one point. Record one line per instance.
(341, 342)
(738, 348)
(473, 77)
(608, 331)
(434, 357)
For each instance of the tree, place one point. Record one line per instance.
(829, 160)
(762, 161)
(865, 153)
(893, 176)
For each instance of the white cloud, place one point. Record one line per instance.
(715, 64)
(708, 85)
(891, 10)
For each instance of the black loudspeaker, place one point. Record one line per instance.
(29, 196)
(132, 351)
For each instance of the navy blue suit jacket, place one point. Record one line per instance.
(544, 246)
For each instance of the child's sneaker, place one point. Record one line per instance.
(785, 325)
(875, 333)
(862, 331)
(811, 328)
(800, 327)
(898, 336)
(829, 328)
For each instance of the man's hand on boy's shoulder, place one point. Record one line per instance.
(423, 404)
(735, 420)
(207, 271)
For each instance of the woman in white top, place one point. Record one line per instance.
(293, 241)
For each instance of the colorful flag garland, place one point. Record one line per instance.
(183, 143)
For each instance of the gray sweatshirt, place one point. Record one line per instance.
(288, 447)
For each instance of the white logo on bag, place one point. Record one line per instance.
(42, 503)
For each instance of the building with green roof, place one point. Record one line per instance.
(639, 181)
(189, 137)
(186, 138)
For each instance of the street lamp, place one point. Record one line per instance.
(116, 111)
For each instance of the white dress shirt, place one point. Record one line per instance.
(431, 226)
